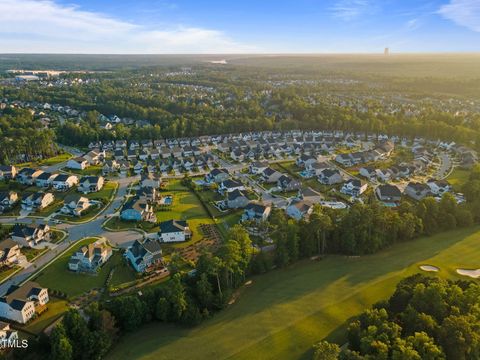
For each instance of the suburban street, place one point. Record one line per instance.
(75, 232)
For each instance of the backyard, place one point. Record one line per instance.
(58, 277)
(281, 314)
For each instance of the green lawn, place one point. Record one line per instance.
(91, 170)
(58, 277)
(105, 193)
(55, 160)
(458, 178)
(56, 307)
(186, 206)
(285, 311)
(8, 271)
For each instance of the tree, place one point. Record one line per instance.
(203, 291)
(176, 297)
(61, 349)
(325, 351)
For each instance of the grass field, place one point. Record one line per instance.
(56, 307)
(285, 311)
(458, 178)
(58, 277)
(186, 206)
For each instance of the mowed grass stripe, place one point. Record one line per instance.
(285, 311)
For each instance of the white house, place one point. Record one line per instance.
(30, 235)
(174, 231)
(64, 182)
(78, 163)
(75, 205)
(354, 187)
(90, 257)
(90, 184)
(144, 254)
(439, 187)
(37, 200)
(20, 304)
(299, 209)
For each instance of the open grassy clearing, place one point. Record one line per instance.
(58, 277)
(285, 311)
(458, 178)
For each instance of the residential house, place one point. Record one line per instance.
(21, 303)
(344, 159)
(315, 168)
(138, 167)
(9, 252)
(257, 212)
(78, 163)
(119, 155)
(144, 254)
(110, 167)
(305, 160)
(7, 335)
(299, 209)
(257, 167)
(330, 177)
(75, 205)
(236, 199)
(132, 155)
(30, 235)
(151, 181)
(270, 175)
(137, 209)
(288, 183)
(174, 231)
(383, 175)
(217, 175)
(368, 172)
(124, 167)
(230, 185)
(90, 257)
(89, 184)
(27, 176)
(38, 200)
(64, 182)
(45, 179)
(94, 157)
(354, 187)
(7, 200)
(439, 187)
(8, 172)
(310, 195)
(417, 191)
(388, 193)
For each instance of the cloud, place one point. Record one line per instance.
(348, 10)
(463, 12)
(43, 26)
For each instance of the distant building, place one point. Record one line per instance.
(386, 52)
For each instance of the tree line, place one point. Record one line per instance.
(426, 318)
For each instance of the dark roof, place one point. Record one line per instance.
(235, 194)
(172, 226)
(389, 190)
(229, 183)
(16, 296)
(23, 231)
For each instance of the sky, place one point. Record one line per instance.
(238, 26)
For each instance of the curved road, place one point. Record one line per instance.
(76, 232)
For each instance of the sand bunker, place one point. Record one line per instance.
(429, 268)
(470, 273)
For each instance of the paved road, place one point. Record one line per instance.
(77, 232)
